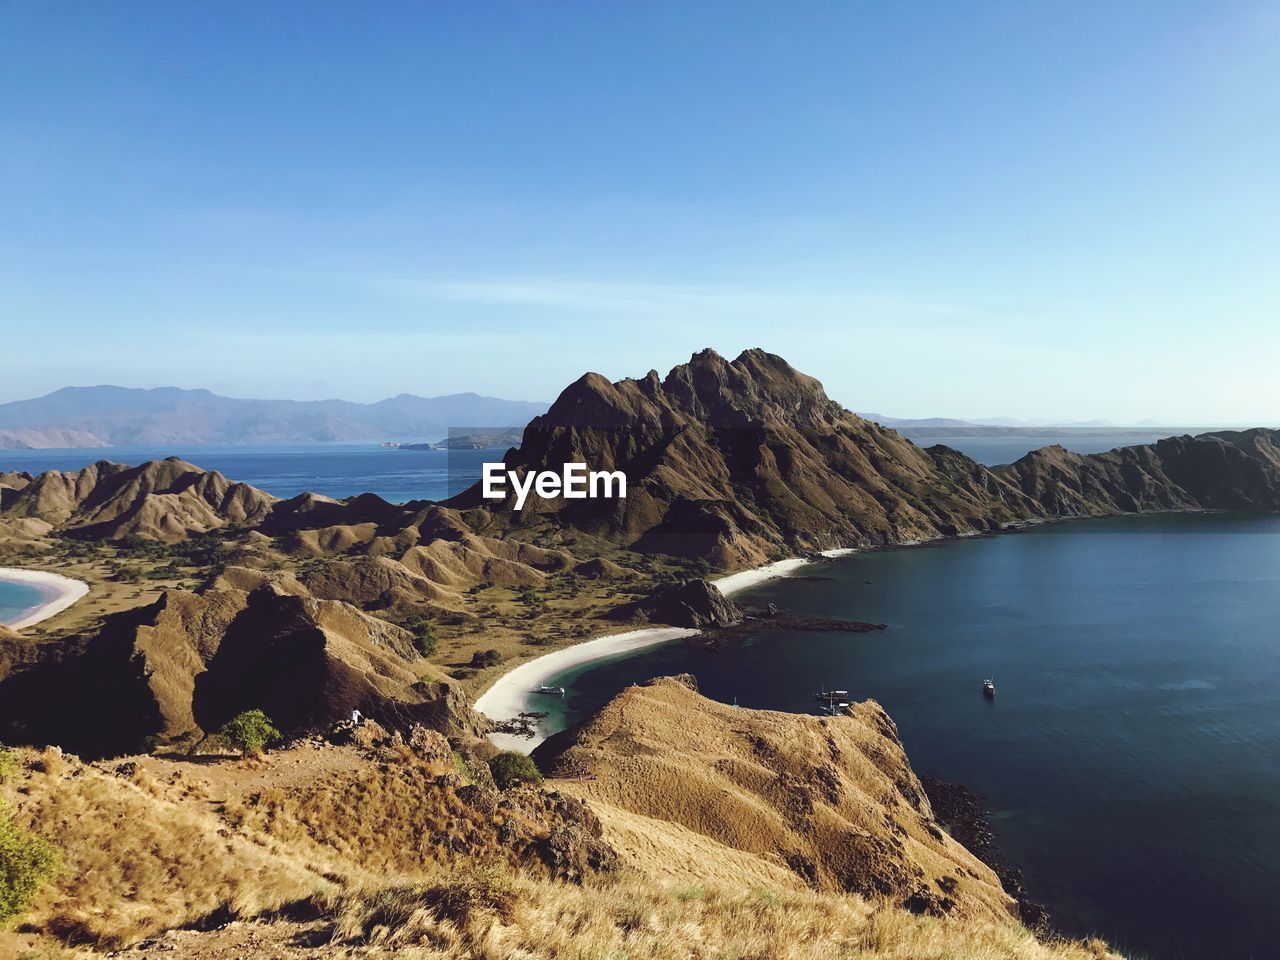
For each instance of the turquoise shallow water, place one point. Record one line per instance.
(1131, 760)
(16, 599)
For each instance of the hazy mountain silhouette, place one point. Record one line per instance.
(123, 415)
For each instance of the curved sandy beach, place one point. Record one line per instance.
(513, 692)
(60, 592)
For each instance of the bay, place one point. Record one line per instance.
(1131, 758)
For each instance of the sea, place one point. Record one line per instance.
(16, 599)
(334, 469)
(1131, 759)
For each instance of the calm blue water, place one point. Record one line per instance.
(333, 469)
(1132, 757)
(16, 599)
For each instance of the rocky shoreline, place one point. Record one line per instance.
(716, 636)
(964, 815)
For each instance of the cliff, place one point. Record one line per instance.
(830, 800)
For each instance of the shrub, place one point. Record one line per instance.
(485, 658)
(424, 636)
(26, 861)
(510, 768)
(8, 763)
(249, 732)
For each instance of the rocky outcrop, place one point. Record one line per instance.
(690, 603)
(183, 666)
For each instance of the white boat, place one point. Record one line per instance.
(545, 688)
(989, 688)
(830, 696)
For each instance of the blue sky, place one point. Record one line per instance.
(1066, 210)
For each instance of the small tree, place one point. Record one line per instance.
(26, 861)
(509, 768)
(424, 636)
(249, 732)
(485, 658)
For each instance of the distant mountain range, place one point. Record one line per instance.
(121, 416)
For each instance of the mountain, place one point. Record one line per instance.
(1227, 470)
(741, 461)
(97, 416)
(161, 499)
(738, 462)
(732, 462)
(184, 665)
(54, 438)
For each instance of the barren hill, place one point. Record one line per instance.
(1227, 470)
(741, 461)
(737, 460)
(181, 667)
(833, 800)
(160, 499)
(392, 848)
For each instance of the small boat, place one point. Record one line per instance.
(989, 688)
(829, 696)
(557, 691)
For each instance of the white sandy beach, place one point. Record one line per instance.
(512, 693)
(736, 582)
(60, 593)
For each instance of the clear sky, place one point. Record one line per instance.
(1064, 210)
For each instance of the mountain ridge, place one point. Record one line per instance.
(745, 461)
(110, 415)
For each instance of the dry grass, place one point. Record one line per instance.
(392, 872)
(515, 917)
(139, 856)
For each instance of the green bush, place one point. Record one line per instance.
(8, 763)
(485, 658)
(249, 732)
(424, 636)
(26, 861)
(509, 768)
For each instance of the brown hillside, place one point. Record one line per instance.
(1231, 470)
(389, 851)
(161, 500)
(186, 664)
(735, 461)
(833, 800)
